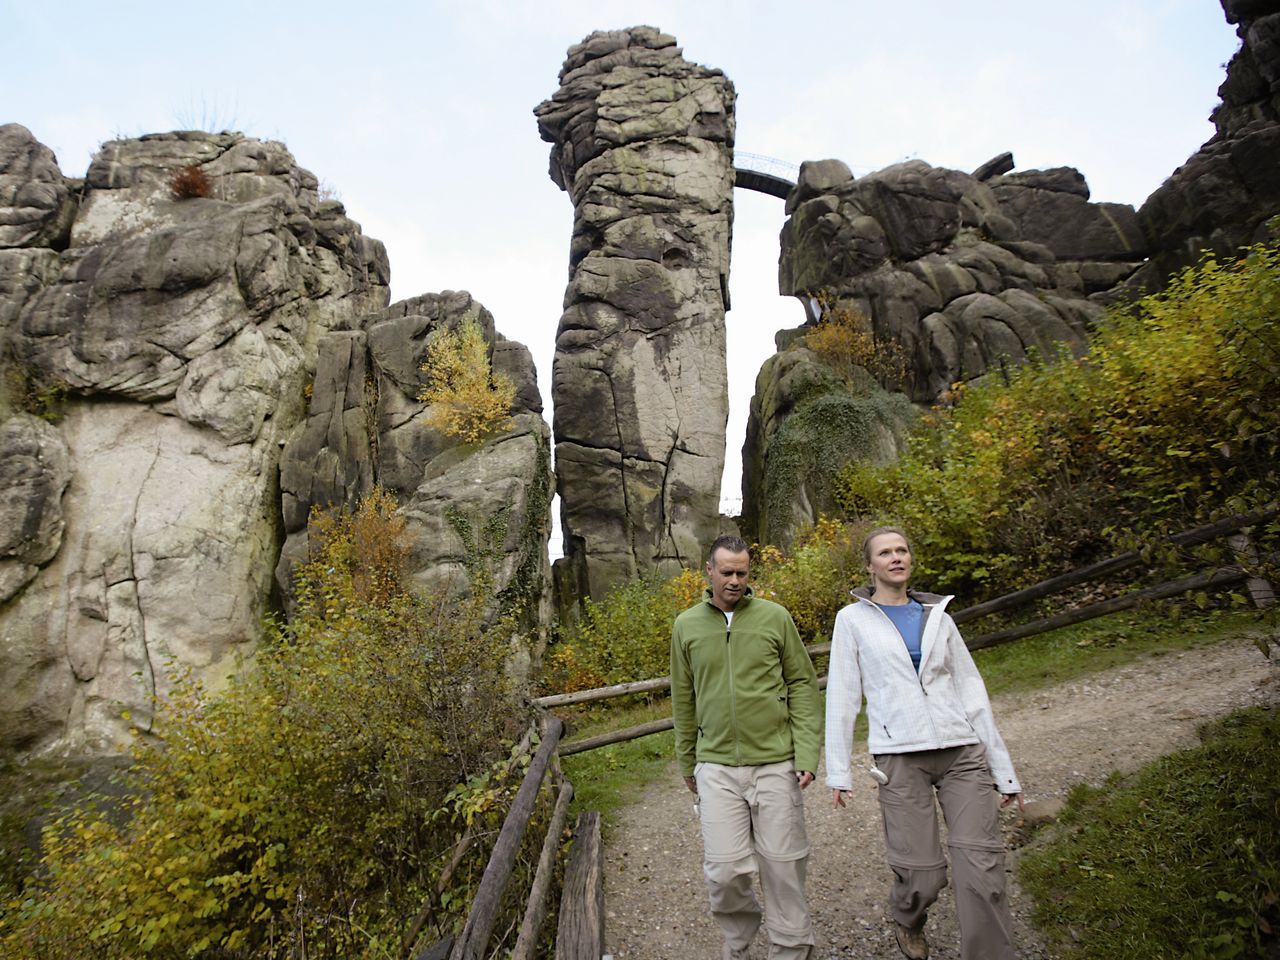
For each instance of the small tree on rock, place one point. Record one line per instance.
(468, 399)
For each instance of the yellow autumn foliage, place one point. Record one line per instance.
(467, 399)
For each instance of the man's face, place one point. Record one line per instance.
(729, 573)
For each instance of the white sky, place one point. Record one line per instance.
(419, 115)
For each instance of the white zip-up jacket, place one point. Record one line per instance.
(944, 705)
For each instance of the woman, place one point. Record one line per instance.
(930, 731)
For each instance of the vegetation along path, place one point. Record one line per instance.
(1079, 730)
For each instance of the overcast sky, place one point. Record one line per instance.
(419, 115)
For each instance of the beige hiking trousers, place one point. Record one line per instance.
(962, 782)
(753, 819)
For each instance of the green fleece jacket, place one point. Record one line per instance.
(745, 694)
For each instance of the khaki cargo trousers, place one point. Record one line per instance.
(753, 819)
(962, 782)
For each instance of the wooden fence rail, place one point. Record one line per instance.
(536, 909)
(1213, 580)
(1108, 567)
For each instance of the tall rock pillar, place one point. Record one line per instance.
(643, 144)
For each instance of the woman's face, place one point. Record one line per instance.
(890, 564)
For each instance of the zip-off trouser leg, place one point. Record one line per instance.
(969, 803)
(753, 818)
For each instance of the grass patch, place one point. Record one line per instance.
(606, 779)
(1072, 652)
(1181, 859)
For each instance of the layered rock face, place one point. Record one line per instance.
(962, 273)
(1223, 196)
(179, 334)
(473, 510)
(170, 346)
(643, 145)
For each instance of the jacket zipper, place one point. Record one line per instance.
(733, 694)
(919, 673)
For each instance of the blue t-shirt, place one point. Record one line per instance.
(906, 617)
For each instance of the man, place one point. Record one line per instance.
(748, 723)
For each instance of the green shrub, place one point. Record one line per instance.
(309, 809)
(624, 637)
(627, 635)
(1181, 859)
(1171, 420)
(844, 340)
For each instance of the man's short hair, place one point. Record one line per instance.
(728, 542)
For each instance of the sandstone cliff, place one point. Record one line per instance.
(1225, 193)
(162, 323)
(643, 145)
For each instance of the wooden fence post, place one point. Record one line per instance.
(580, 935)
(1261, 592)
(474, 939)
(536, 909)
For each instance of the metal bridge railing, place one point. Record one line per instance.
(770, 166)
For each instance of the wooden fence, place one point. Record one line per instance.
(580, 933)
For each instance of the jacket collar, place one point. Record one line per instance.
(747, 594)
(920, 596)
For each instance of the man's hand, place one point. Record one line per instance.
(837, 798)
(804, 778)
(691, 783)
(1008, 798)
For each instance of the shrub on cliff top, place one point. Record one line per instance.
(844, 340)
(190, 182)
(310, 808)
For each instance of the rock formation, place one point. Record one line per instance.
(179, 333)
(805, 423)
(960, 273)
(963, 273)
(162, 322)
(1223, 196)
(643, 145)
(472, 509)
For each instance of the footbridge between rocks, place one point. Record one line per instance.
(753, 171)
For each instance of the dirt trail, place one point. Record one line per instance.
(655, 898)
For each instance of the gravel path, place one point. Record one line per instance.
(655, 898)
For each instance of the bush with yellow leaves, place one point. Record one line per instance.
(467, 399)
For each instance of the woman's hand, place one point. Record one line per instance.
(837, 798)
(1008, 798)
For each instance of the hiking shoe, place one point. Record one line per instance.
(742, 953)
(911, 941)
